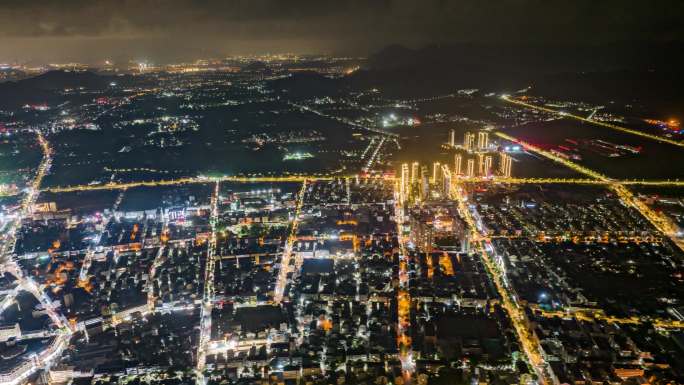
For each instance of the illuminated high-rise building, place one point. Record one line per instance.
(470, 168)
(452, 138)
(404, 187)
(435, 172)
(414, 172)
(469, 141)
(424, 182)
(446, 180)
(482, 140)
(505, 165)
(509, 166)
(488, 165)
(458, 163)
(480, 164)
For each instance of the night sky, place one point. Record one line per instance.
(172, 30)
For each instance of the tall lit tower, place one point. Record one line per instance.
(505, 165)
(404, 187)
(446, 180)
(452, 138)
(458, 162)
(488, 165)
(435, 172)
(482, 140)
(480, 164)
(424, 182)
(414, 172)
(470, 168)
(509, 166)
(469, 141)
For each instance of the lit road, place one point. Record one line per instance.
(658, 220)
(194, 180)
(595, 122)
(579, 181)
(374, 155)
(285, 261)
(208, 298)
(47, 356)
(481, 244)
(403, 296)
(88, 260)
(158, 260)
(344, 120)
(301, 178)
(565, 162)
(30, 199)
(591, 315)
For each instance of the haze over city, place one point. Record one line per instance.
(179, 30)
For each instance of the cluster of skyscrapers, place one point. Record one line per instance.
(469, 142)
(474, 159)
(417, 179)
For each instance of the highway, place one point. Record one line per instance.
(578, 181)
(565, 162)
(301, 178)
(404, 302)
(285, 261)
(158, 260)
(194, 180)
(482, 246)
(592, 314)
(208, 298)
(46, 357)
(30, 198)
(658, 220)
(595, 122)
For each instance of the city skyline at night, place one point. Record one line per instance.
(341, 192)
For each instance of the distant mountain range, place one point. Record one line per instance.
(600, 74)
(535, 58)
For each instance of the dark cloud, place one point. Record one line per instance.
(177, 29)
